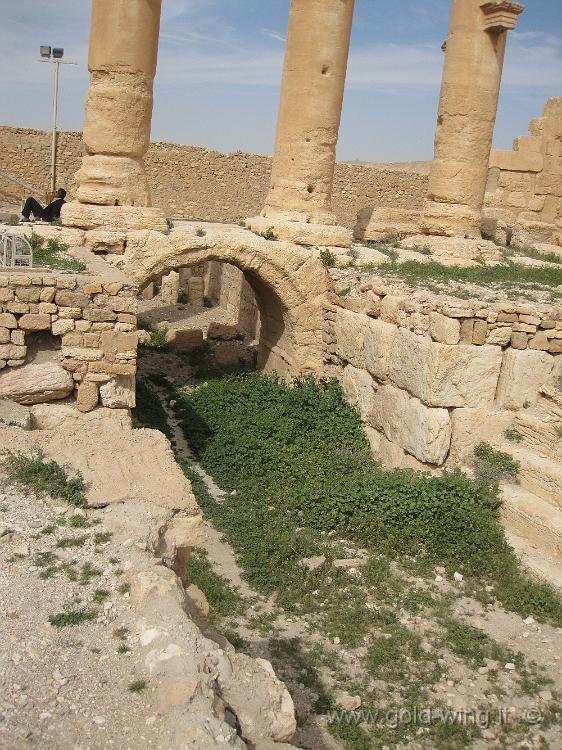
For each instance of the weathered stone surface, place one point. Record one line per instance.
(119, 392)
(423, 432)
(37, 322)
(13, 414)
(222, 331)
(442, 375)
(36, 383)
(350, 337)
(87, 396)
(443, 329)
(359, 389)
(184, 340)
(522, 375)
(474, 426)
(379, 338)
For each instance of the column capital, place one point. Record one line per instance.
(501, 15)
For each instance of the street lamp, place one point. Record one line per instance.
(54, 56)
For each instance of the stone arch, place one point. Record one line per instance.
(290, 283)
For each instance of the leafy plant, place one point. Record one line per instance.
(201, 232)
(182, 296)
(53, 255)
(297, 458)
(72, 617)
(513, 435)
(43, 477)
(327, 257)
(137, 686)
(269, 234)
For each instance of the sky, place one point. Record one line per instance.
(220, 64)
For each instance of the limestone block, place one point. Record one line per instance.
(62, 326)
(87, 396)
(196, 291)
(13, 414)
(12, 351)
(517, 161)
(184, 340)
(301, 233)
(381, 222)
(359, 389)
(88, 217)
(119, 392)
(170, 288)
(473, 426)
(379, 338)
(443, 329)
(106, 241)
(39, 322)
(522, 375)
(350, 330)
(81, 353)
(68, 298)
(5, 337)
(222, 331)
(115, 342)
(423, 432)
(390, 307)
(7, 320)
(442, 375)
(36, 383)
(499, 336)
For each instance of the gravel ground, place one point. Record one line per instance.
(67, 687)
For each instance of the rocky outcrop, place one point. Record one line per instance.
(35, 384)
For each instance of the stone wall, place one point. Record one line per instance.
(197, 183)
(87, 327)
(525, 185)
(227, 287)
(433, 377)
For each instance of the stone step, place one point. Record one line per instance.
(533, 518)
(539, 475)
(540, 436)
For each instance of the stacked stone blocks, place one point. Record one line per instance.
(95, 320)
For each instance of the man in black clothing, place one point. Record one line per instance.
(47, 213)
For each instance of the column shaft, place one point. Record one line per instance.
(467, 113)
(122, 63)
(309, 118)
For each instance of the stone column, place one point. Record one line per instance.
(122, 63)
(467, 112)
(299, 204)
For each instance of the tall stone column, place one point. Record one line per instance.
(299, 204)
(122, 62)
(467, 112)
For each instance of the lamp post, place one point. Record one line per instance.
(54, 56)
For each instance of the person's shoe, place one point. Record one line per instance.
(24, 220)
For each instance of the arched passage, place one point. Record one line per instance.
(290, 283)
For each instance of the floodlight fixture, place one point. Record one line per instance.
(45, 51)
(58, 52)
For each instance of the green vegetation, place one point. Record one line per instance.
(491, 466)
(416, 273)
(101, 537)
(100, 595)
(71, 541)
(183, 298)
(327, 257)
(269, 234)
(53, 255)
(513, 435)
(42, 477)
(201, 232)
(137, 686)
(223, 600)
(72, 617)
(300, 465)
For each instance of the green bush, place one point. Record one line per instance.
(53, 255)
(43, 477)
(327, 258)
(297, 457)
